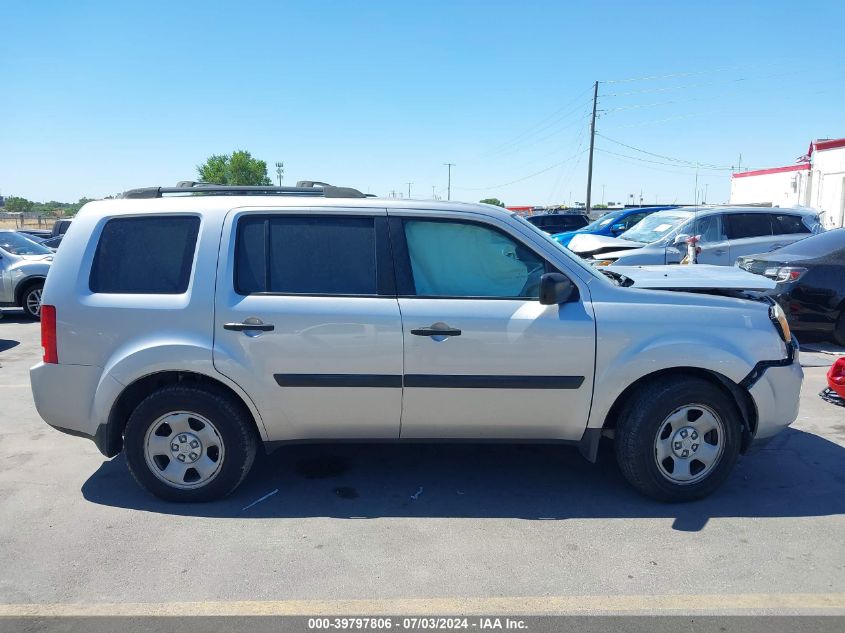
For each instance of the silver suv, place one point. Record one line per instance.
(189, 330)
(24, 264)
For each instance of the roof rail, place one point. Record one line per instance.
(190, 187)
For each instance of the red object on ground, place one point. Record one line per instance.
(836, 377)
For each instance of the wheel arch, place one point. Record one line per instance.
(25, 284)
(111, 441)
(740, 396)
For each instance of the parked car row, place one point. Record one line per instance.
(725, 234)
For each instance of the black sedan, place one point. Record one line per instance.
(810, 276)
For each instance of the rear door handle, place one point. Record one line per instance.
(436, 330)
(244, 327)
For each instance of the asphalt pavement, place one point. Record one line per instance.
(418, 528)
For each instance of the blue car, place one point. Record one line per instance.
(612, 223)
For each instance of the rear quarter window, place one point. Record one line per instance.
(149, 255)
(788, 224)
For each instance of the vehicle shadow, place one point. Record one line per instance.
(6, 344)
(14, 316)
(799, 474)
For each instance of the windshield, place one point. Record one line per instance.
(602, 222)
(656, 226)
(17, 244)
(580, 263)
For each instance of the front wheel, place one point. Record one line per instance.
(188, 444)
(31, 301)
(678, 439)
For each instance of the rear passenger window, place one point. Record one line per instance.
(741, 225)
(149, 255)
(306, 255)
(786, 224)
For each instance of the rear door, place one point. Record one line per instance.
(307, 321)
(788, 228)
(483, 357)
(748, 233)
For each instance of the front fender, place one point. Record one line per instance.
(621, 368)
(129, 365)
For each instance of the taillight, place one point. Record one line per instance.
(785, 273)
(48, 334)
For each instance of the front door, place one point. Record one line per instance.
(483, 357)
(307, 321)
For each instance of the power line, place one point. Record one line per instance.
(657, 162)
(513, 182)
(675, 75)
(679, 160)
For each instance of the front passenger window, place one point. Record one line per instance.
(462, 259)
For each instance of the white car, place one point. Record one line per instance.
(189, 330)
(725, 233)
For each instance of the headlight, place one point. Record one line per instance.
(604, 262)
(778, 317)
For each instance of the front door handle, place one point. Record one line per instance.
(438, 329)
(720, 251)
(245, 327)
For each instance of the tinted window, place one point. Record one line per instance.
(152, 255)
(556, 223)
(741, 225)
(306, 255)
(786, 224)
(457, 259)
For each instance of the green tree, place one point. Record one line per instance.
(493, 201)
(237, 168)
(15, 204)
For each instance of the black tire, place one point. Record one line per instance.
(839, 329)
(26, 302)
(644, 416)
(232, 423)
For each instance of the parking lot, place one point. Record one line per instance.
(415, 528)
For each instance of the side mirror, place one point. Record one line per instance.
(680, 240)
(619, 227)
(556, 288)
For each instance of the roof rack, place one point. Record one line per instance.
(304, 188)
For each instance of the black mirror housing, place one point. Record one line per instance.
(556, 288)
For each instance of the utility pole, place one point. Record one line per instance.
(409, 189)
(592, 145)
(433, 195)
(280, 172)
(602, 194)
(449, 185)
(739, 165)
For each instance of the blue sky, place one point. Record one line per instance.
(99, 97)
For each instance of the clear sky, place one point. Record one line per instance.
(99, 97)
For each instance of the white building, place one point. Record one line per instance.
(817, 181)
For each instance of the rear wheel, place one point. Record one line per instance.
(678, 439)
(31, 300)
(189, 444)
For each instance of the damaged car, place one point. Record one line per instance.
(724, 234)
